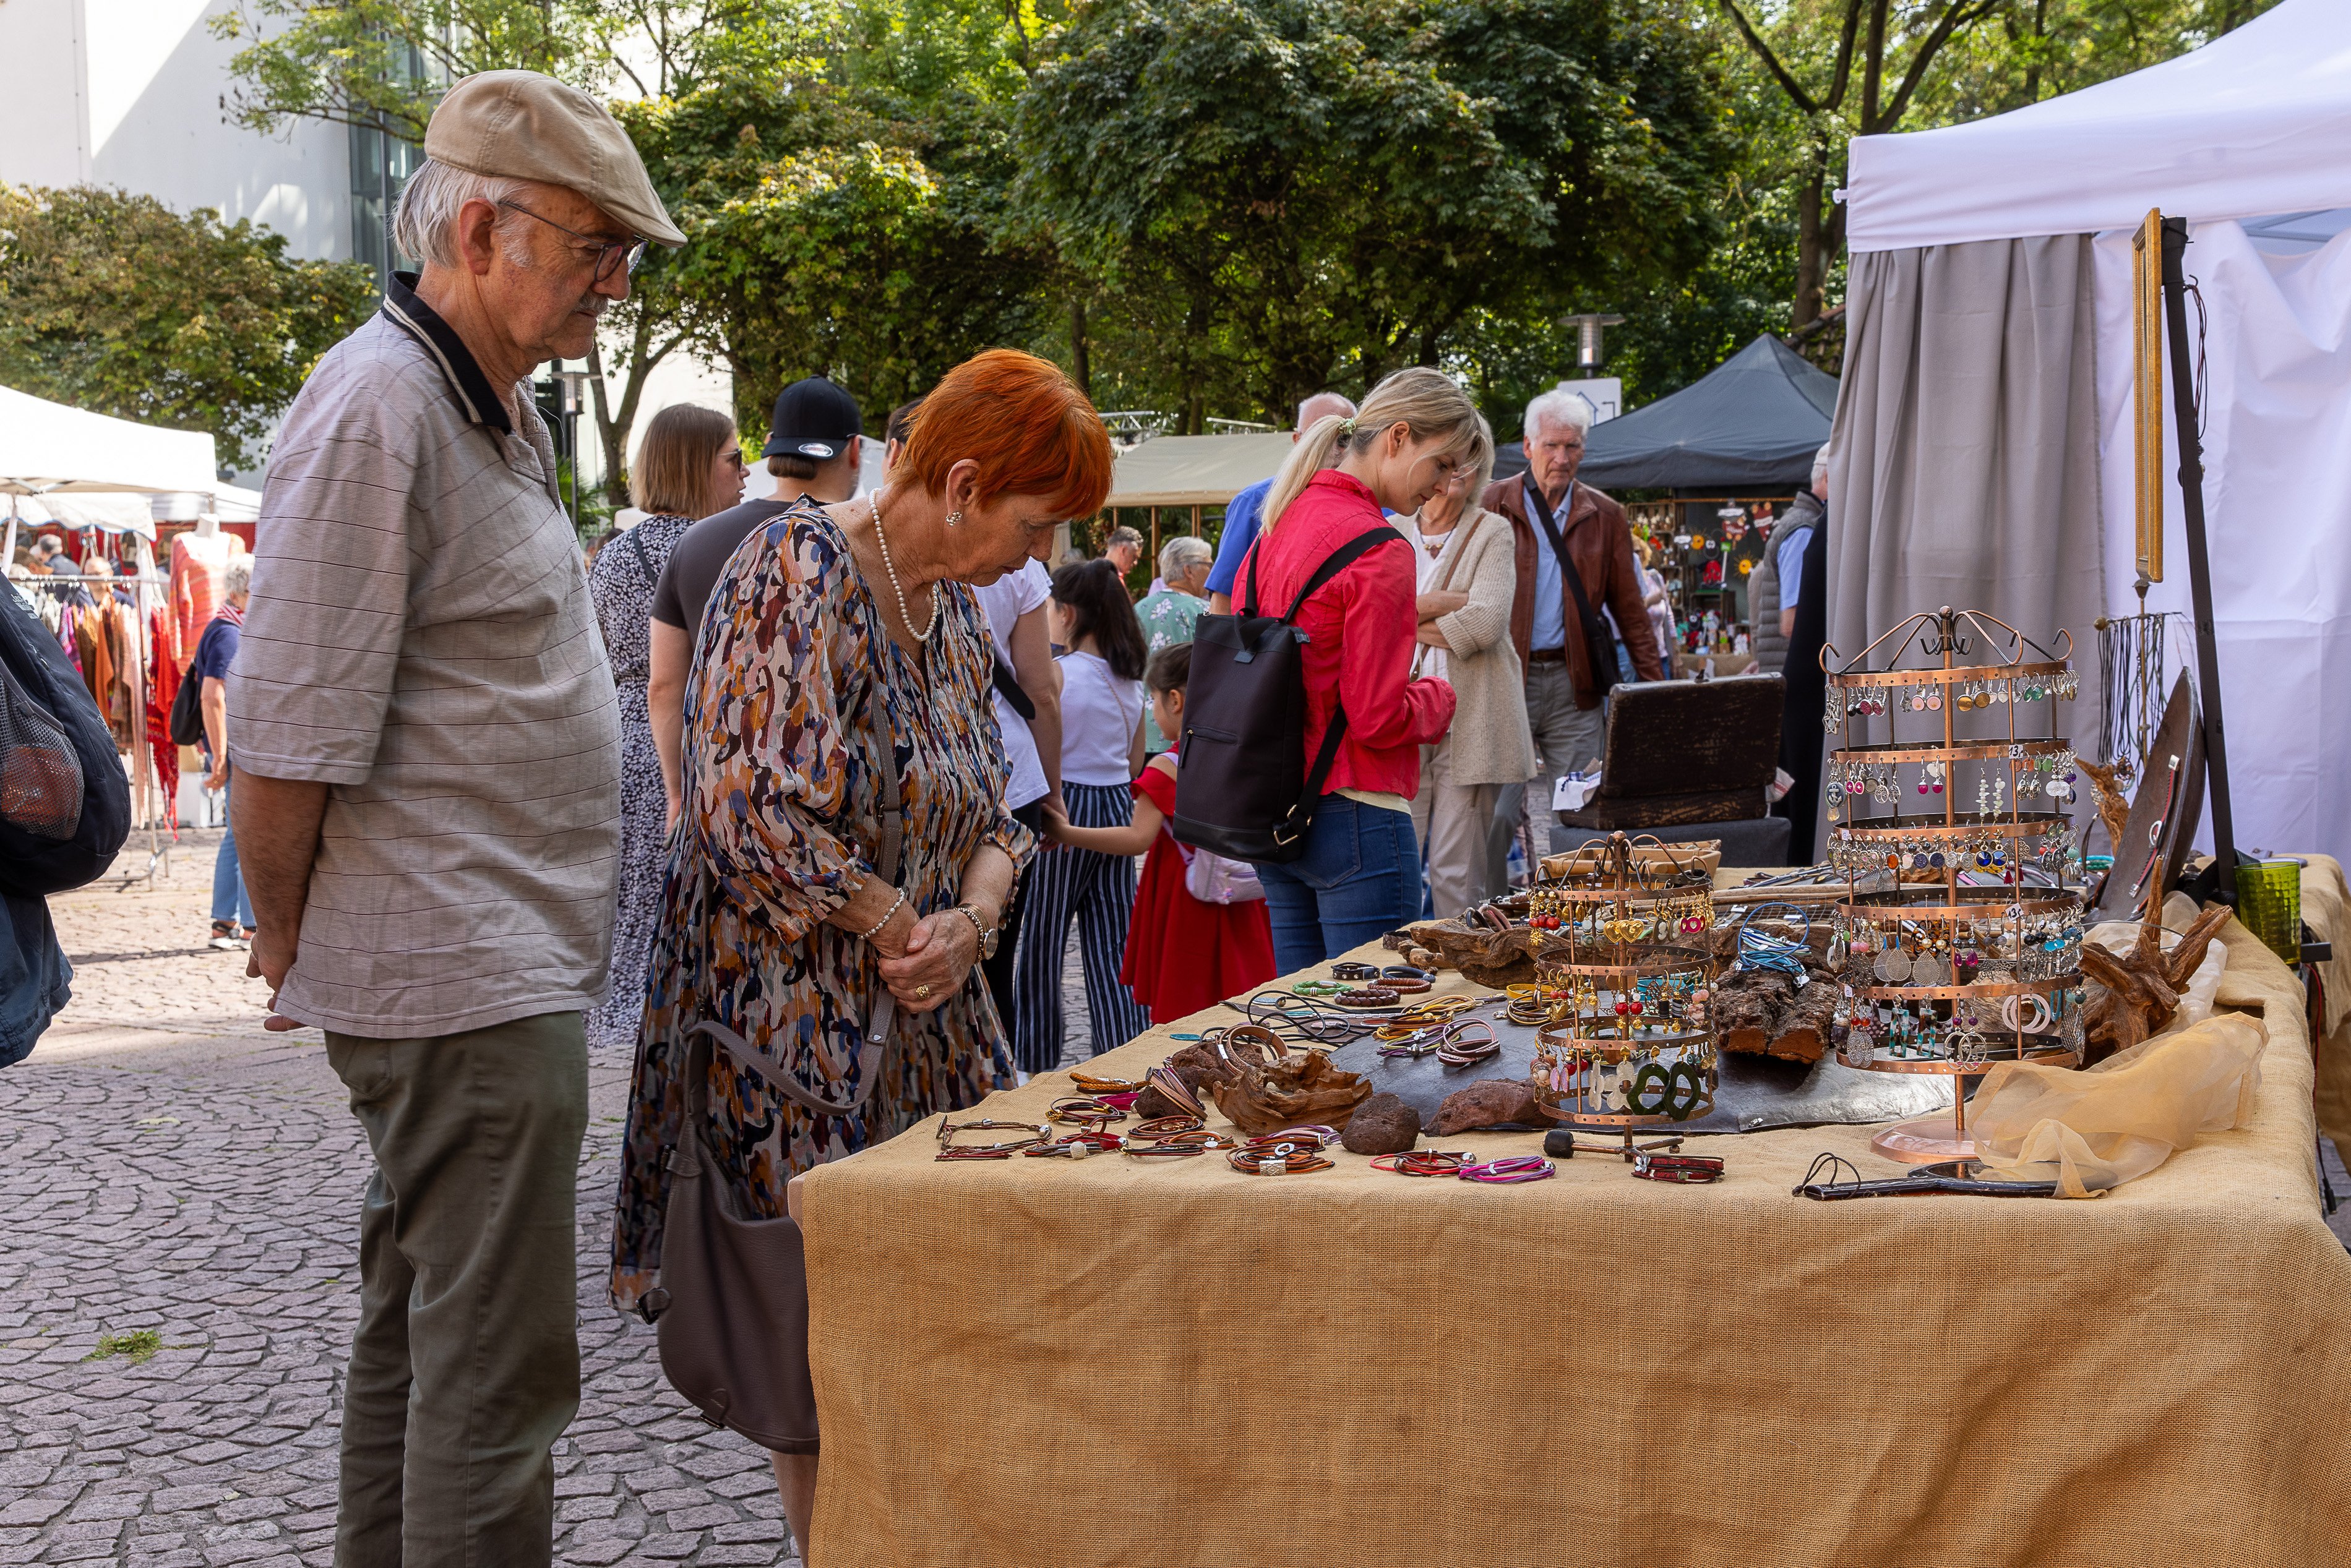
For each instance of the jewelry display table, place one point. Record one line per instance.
(1047, 1362)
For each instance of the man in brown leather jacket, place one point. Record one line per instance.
(1564, 698)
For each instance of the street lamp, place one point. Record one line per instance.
(1587, 339)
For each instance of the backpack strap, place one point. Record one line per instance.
(1301, 817)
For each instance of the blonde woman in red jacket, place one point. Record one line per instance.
(1360, 877)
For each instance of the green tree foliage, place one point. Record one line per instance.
(1274, 196)
(115, 303)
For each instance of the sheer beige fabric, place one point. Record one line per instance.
(2098, 1128)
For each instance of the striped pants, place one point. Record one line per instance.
(1099, 891)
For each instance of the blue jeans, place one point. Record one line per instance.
(1358, 879)
(229, 902)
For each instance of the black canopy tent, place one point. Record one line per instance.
(1750, 426)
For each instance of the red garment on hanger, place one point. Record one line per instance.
(163, 687)
(199, 581)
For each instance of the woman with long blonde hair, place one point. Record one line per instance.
(1360, 877)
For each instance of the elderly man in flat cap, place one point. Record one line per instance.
(428, 810)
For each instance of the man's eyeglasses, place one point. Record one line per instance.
(610, 253)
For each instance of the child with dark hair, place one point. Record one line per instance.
(1102, 748)
(1184, 952)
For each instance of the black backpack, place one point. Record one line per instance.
(186, 724)
(1242, 786)
(65, 800)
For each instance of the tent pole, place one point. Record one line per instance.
(2200, 565)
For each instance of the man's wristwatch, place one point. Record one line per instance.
(986, 932)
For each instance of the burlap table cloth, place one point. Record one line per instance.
(1047, 1362)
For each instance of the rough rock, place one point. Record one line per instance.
(1488, 1102)
(1382, 1124)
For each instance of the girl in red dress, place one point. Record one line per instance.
(1183, 955)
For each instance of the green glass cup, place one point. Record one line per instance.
(2269, 902)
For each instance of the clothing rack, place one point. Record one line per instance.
(146, 812)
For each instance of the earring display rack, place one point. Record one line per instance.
(1624, 967)
(1960, 937)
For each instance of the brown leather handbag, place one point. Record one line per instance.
(732, 1316)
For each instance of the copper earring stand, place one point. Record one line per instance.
(2025, 940)
(1614, 937)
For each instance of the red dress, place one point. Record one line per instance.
(1182, 956)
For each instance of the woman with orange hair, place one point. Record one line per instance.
(844, 856)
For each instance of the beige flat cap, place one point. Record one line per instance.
(520, 125)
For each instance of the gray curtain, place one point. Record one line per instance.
(1964, 466)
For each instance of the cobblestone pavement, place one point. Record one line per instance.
(171, 1169)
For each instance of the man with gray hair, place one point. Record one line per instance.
(427, 754)
(1169, 615)
(1775, 589)
(1575, 560)
(1245, 510)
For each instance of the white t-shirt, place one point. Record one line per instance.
(1099, 715)
(1004, 602)
(1430, 661)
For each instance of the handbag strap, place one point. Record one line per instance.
(877, 1026)
(1583, 615)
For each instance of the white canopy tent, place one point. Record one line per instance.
(1194, 470)
(45, 446)
(1984, 349)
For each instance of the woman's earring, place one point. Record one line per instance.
(955, 518)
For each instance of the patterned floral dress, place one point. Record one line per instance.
(799, 703)
(621, 585)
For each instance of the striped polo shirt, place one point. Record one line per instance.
(420, 639)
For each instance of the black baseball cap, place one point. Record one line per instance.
(814, 418)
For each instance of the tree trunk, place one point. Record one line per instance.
(609, 435)
(1081, 360)
(1812, 252)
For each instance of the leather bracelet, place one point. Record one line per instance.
(1368, 998)
(1510, 1171)
(1462, 1047)
(1085, 1111)
(1316, 1134)
(1087, 1084)
(1282, 1159)
(1421, 1163)
(1077, 1145)
(1357, 972)
(1688, 1169)
(1176, 1093)
(867, 935)
(1406, 980)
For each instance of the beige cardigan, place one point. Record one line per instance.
(1489, 742)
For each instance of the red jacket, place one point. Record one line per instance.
(1359, 627)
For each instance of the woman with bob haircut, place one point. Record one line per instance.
(842, 664)
(688, 465)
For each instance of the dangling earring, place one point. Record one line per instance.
(955, 518)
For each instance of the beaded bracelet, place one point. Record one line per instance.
(1369, 998)
(1317, 988)
(1509, 1171)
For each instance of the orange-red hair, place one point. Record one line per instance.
(1027, 425)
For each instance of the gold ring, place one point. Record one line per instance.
(924, 989)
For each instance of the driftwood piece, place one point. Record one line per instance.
(1488, 1102)
(2132, 997)
(1762, 1012)
(1298, 1090)
(2114, 806)
(1489, 958)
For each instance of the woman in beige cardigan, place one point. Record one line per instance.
(1468, 575)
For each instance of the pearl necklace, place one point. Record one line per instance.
(874, 505)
